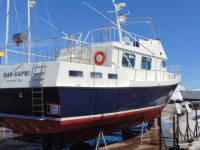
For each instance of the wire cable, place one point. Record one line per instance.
(19, 31)
(38, 21)
(34, 11)
(17, 16)
(49, 17)
(191, 56)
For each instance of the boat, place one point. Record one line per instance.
(177, 97)
(190, 95)
(91, 87)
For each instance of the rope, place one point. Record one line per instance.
(17, 16)
(191, 56)
(49, 17)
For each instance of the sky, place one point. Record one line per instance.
(177, 23)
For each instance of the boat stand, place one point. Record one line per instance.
(2, 131)
(142, 133)
(99, 139)
(189, 134)
(179, 135)
(197, 127)
(47, 141)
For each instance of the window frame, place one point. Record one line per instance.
(146, 62)
(113, 78)
(76, 76)
(123, 53)
(96, 73)
(162, 63)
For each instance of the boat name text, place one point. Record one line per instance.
(16, 74)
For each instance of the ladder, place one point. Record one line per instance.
(37, 90)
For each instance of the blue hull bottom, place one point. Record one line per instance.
(77, 102)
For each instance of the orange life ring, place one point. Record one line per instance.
(97, 62)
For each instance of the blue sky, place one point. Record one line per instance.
(177, 23)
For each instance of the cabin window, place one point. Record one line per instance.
(75, 73)
(128, 60)
(164, 64)
(146, 63)
(96, 75)
(112, 76)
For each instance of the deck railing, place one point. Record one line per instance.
(40, 49)
(154, 75)
(109, 34)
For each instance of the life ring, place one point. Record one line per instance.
(99, 58)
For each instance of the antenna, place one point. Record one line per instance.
(100, 13)
(101, 26)
(118, 26)
(118, 7)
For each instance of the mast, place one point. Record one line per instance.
(29, 32)
(7, 32)
(118, 23)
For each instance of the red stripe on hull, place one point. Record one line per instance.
(83, 127)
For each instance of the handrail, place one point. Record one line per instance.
(16, 49)
(126, 32)
(48, 39)
(175, 69)
(137, 35)
(27, 54)
(97, 30)
(115, 28)
(165, 74)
